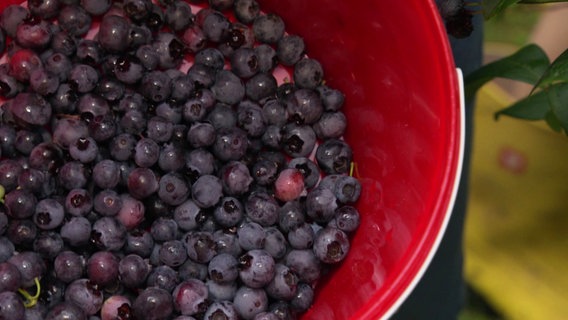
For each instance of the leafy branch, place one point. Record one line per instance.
(548, 99)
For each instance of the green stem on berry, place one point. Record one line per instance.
(2, 193)
(353, 171)
(31, 300)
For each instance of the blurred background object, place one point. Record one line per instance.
(516, 259)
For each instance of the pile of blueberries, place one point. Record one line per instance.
(153, 166)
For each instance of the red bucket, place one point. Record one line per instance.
(393, 62)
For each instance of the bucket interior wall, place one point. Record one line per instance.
(392, 60)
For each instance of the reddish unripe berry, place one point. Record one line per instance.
(289, 185)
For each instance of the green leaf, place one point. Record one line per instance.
(558, 99)
(556, 72)
(492, 8)
(550, 105)
(526, 65)
(541, 1)
(533, 107)
(552, 121)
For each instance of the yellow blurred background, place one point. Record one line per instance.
(517, 225)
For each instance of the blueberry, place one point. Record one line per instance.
(89, 52)
(12, 306)
(201, 134)
(142, 182)
(48, 244)
(223, 268)
(284, 284)
(229, 212)
(246, 10)
(308, 73)
(331, 98)
(76, 231)
(347, 189)
(96, 7)
(129, 71)
(173, 253)
(216, 26)
(170, 50)
(30, 264)
(334, 156)
(228, 87)
(153, 303)
(9, 86)
(301, 236)
(331, 245)
(272, 137)
(298, 140)
(224, 309)
(74, 20)
(200, 162)
(84, 294)
(111, 89)
(159, 129)
(240, 36)
(262, 208)
(304, 264)
(347, 218)
(275, 243)
(230, 144)
(64, 43)
(172, 157)
(34, 33)
(303, 298)
(113, 33)
(261, 86)
(290, 215)
(268, 28)
(83, 78)
(139, 36)
(274, 112)
(251, 235)
(49, 214)
(221, 4)
(11, 17)
(250, 118)
(249, 301)
(330, 125)
(190, 297)
(304, 106)
(108, 234)
(139, 242)
(155, 19)
(308, 168)
(290, 49)
(178, 15)
(173, 189)
(30, 109)
(207, 191)
(182, 88)
(156, 86)
(210, 57)
(244, 62)
(194, 38)
(22, 63)
(267, 57)
(200, 246)
(321, 204)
